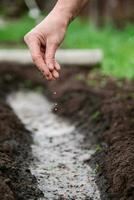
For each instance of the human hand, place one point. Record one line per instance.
(43, 41)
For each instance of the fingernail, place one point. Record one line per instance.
(50, 66)
(58, 67)
(56, 75)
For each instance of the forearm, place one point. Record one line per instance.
(69, 9)
(44, 39)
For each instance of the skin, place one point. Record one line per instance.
(46, 37)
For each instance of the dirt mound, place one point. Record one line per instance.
(16, 181)
(98, 104)
(106, 106)
(119, 158)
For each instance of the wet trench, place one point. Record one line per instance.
(58, 163)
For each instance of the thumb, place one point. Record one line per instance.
(34, 47)
(50, 55)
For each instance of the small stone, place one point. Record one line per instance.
(7, 180)
(55, 109)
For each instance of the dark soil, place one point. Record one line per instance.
(99, 105)
(16, 181)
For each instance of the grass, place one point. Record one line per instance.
(14, 31)
(118, 46)
(95, 115)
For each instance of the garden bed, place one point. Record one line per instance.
(99, 105)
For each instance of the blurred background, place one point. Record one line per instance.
(102, 24)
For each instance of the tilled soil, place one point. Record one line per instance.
(58, 149)
(16, 182)
(97, 104)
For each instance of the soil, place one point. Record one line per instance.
(103, 106)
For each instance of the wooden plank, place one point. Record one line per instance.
(65, 57)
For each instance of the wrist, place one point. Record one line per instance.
(63, 13)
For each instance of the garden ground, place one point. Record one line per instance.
(99, 104)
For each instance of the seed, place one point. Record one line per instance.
(55, 109)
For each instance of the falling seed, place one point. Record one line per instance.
(55, 109)
(54, 93)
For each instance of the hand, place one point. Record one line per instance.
(43, 42)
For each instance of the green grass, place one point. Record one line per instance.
(118, 46)
(15, 30)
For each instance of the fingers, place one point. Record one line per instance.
(43, 59)
(50, 55)
(51, 48)
(53, 66)
(55, 74)
(57, 66)
(33, 44)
